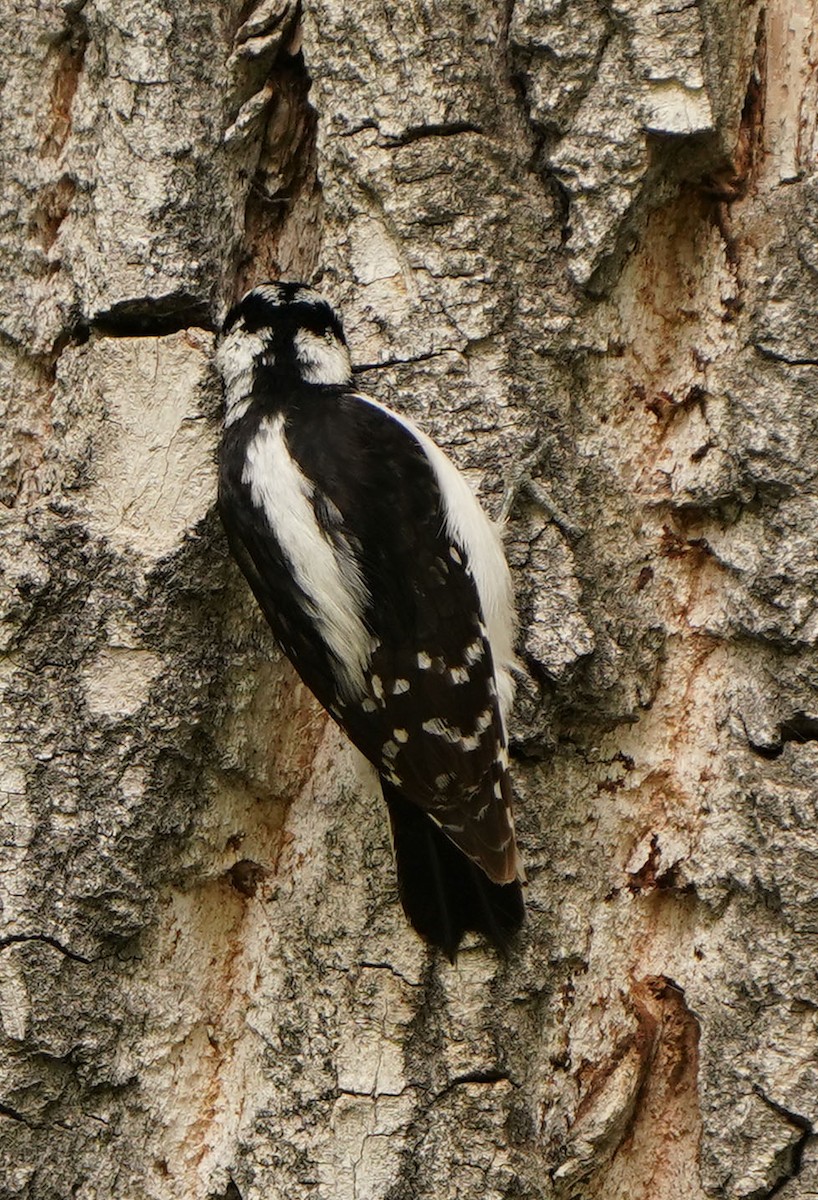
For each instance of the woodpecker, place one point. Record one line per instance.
(386, 586)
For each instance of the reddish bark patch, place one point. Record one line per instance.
(643, 579)
(53, 205)
(647, 876)
(659, 1153)
(70, 56)
(658, 1129)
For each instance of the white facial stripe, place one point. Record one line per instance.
(325, 571)
(323, 359)
(469, 527)
(237, 357)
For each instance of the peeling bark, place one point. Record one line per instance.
(578, 243)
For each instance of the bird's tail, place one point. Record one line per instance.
(443, 892)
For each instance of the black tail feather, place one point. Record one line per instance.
(443, 892)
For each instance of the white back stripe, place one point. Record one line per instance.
(325, 570)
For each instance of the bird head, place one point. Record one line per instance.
(284, 328)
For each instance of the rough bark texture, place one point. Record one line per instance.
(575, 240)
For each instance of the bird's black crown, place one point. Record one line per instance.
(285, 307)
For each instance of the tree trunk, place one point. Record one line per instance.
(578, 242)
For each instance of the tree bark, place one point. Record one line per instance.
(579, 244)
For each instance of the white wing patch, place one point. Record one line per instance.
(325, 570)
(470, 528)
